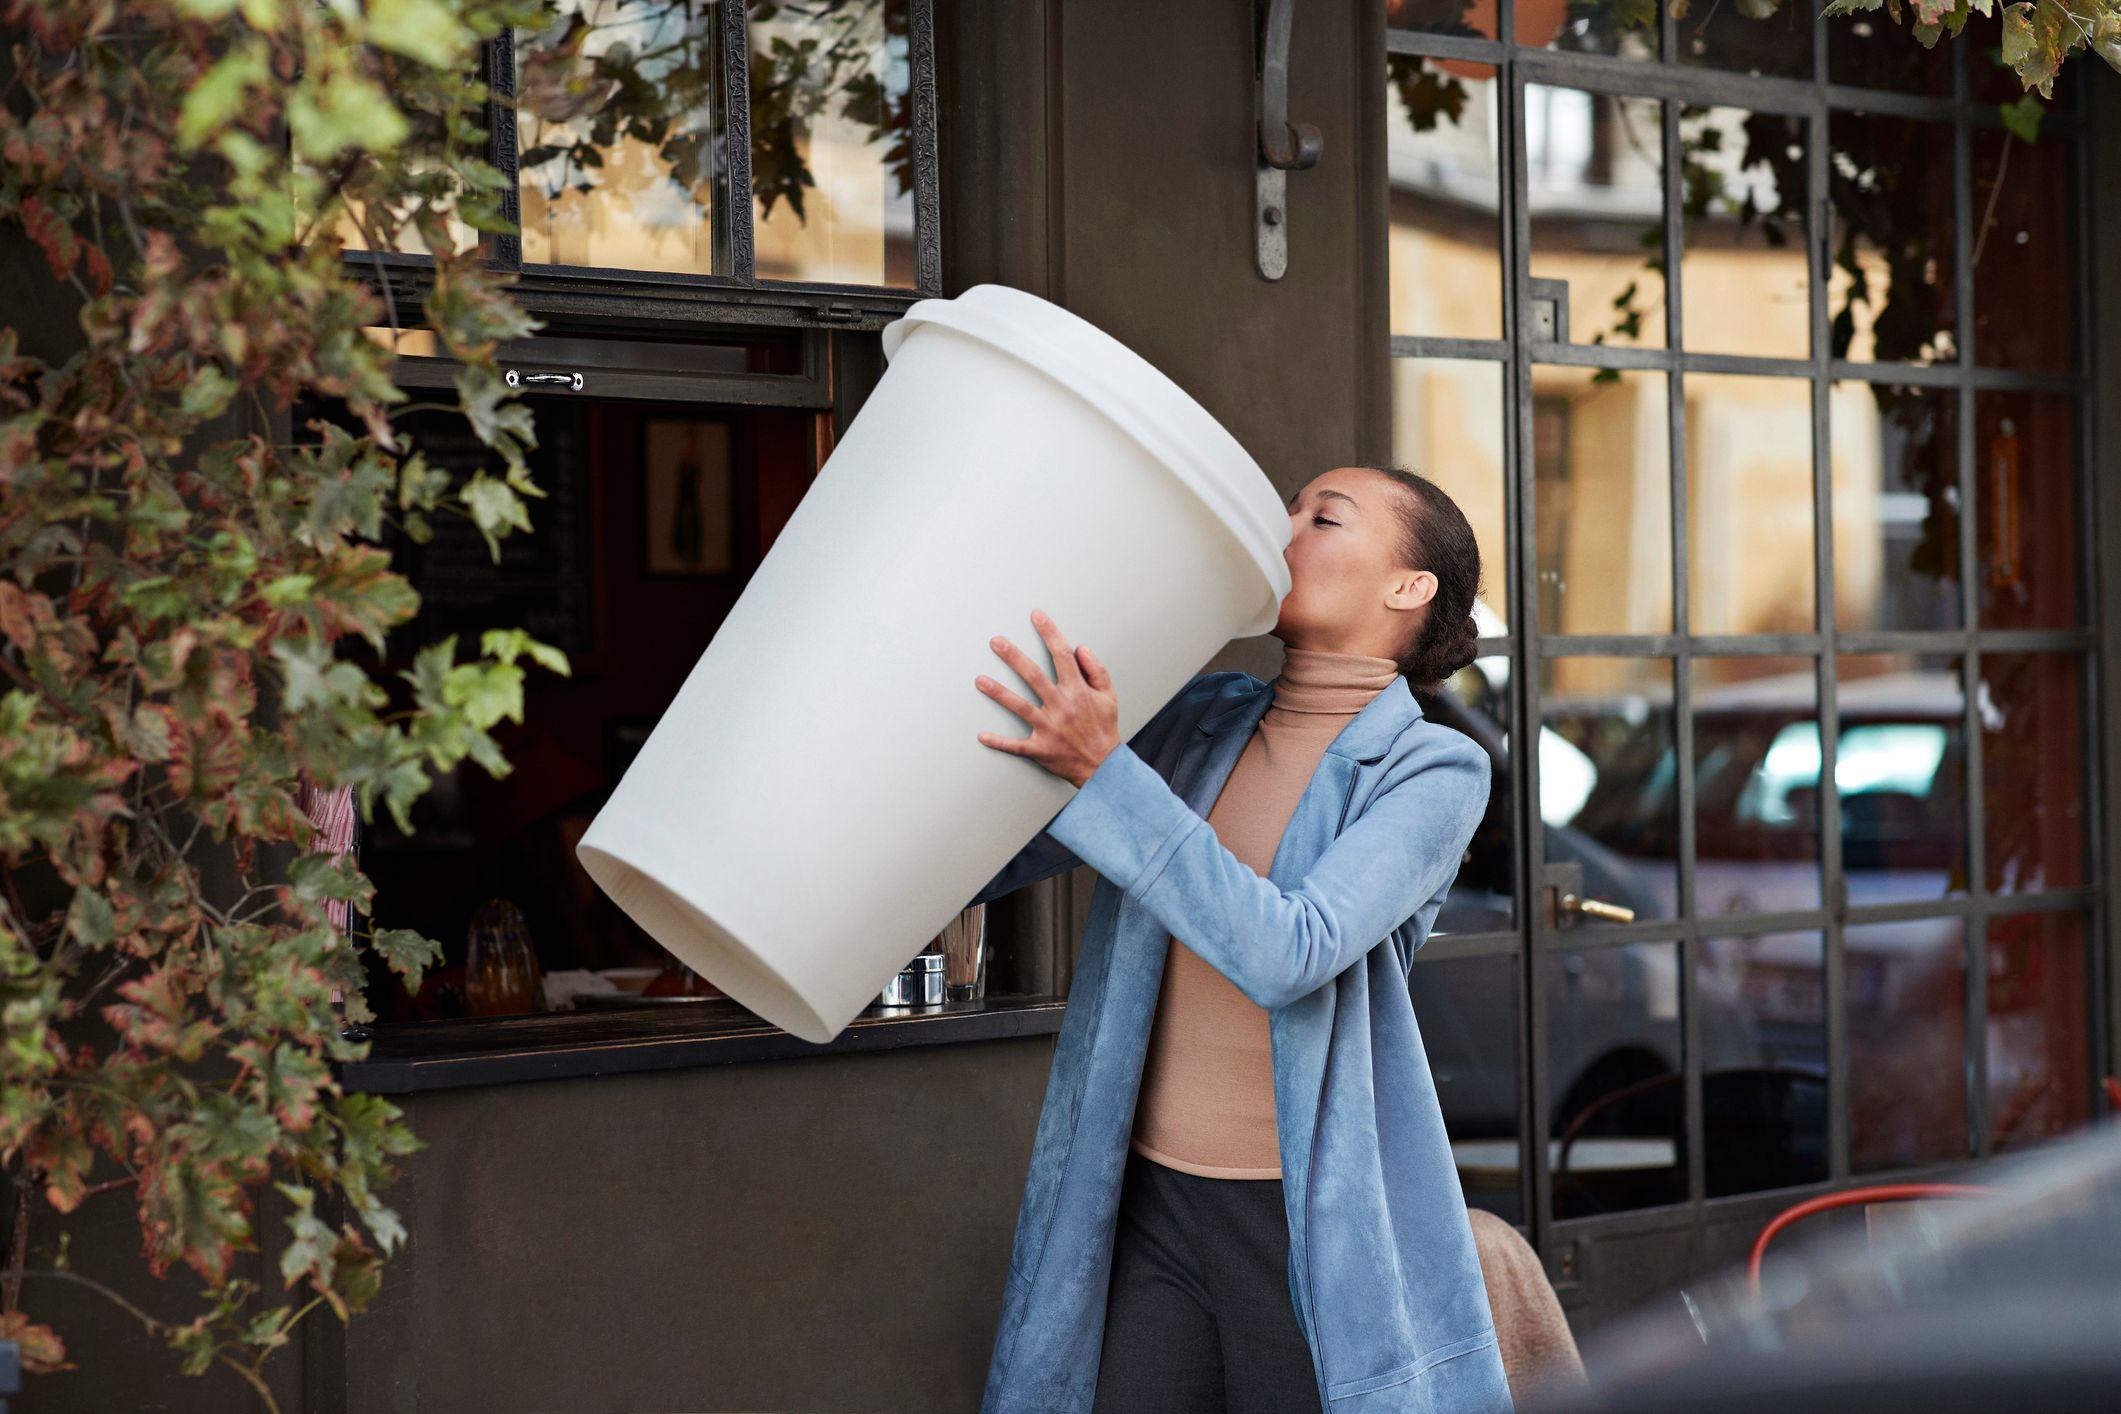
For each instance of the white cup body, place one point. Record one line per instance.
(815, 804)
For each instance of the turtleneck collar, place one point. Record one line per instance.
(1340, 684)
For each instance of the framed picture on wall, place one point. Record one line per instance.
(687, 506)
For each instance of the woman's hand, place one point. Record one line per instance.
(1075, 723)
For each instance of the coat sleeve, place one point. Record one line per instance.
(1278, 945)
(1045, 855)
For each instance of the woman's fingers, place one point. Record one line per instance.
(1029, 671)
(1056, 645)
(1093, 671)
(1007, 698)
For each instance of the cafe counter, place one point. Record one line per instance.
(684, 1207)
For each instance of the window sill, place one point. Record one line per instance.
(440, 1055)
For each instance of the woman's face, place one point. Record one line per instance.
(1349, 593)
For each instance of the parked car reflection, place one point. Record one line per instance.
(1608, 802)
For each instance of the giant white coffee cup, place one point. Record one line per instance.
(816, 803)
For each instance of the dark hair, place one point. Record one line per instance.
(1435, 536)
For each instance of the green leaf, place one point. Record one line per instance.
(222, 92)
(408, 953)
(326, 116)
(507, 644)
(495, 508)
(209, 392)
(2023, 117)
(485, 692)
(424, 29)
(89, 919)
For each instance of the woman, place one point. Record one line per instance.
(1241, 1195)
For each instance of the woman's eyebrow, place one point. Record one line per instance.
(1338, 495)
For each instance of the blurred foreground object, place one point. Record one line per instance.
(2008, 1302)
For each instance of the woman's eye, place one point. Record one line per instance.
(1321, 520)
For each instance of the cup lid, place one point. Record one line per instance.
(1145, 404)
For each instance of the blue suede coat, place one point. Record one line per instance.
(1382, 1268)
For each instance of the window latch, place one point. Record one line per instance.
(543, 380)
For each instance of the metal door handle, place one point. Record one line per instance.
(1595, 908)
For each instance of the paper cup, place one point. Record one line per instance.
(815, 804)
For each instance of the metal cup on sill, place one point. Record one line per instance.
(918, 983)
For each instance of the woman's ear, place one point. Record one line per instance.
(1411, 589)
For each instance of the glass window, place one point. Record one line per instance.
(1745, 266)
(1763, 1073)
(1616, 1072)
(1756, 785)
(2025, 473)
(2024, 249)
(1906, 1000)
(1445, 238)
(831, 141)
(1751, 527)
(1767, 39)
(1447, 423)
(1608, 793)
(1895, 506)
(1874, 51)
(2039, 1027)
(2032, 770)
(1889, 191)
(1900, 771)
(632, 177)
(1595, 186)
(1602, 492)
(1626, 29)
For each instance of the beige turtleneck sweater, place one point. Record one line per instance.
(1206, 1104)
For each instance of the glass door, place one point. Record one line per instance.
(1700, 318)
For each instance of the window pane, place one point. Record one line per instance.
(1602, 492)
(2025, 468)
(1907, 1043)
(1468, 1011)
(1756, 785)
(1447, 424)
(1609, 781)
(1896, 506)
(2026, 299)
(831, 141)
(1595, 187)
(1744, 267)
(1445, 198)
(631, 177)
(1988, 80)
(1750, 566)
(2039, 1040)
(1889, 187)
(1874, 51)
(1900, 770)
(1474, 19)
(1763, 1078)
(1615, 1073)
(1752, 39)
(1627, 28)
(2033, 770)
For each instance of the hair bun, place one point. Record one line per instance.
(1461, 648)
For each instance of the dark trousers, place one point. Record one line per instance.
(1198, 1318)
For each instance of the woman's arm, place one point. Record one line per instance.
(1278, 945)
(1046, 856)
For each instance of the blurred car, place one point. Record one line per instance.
(1609, 784)
(2010, 1301)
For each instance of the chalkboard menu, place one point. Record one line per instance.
(541, 583)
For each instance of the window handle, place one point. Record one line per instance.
(543, 380)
